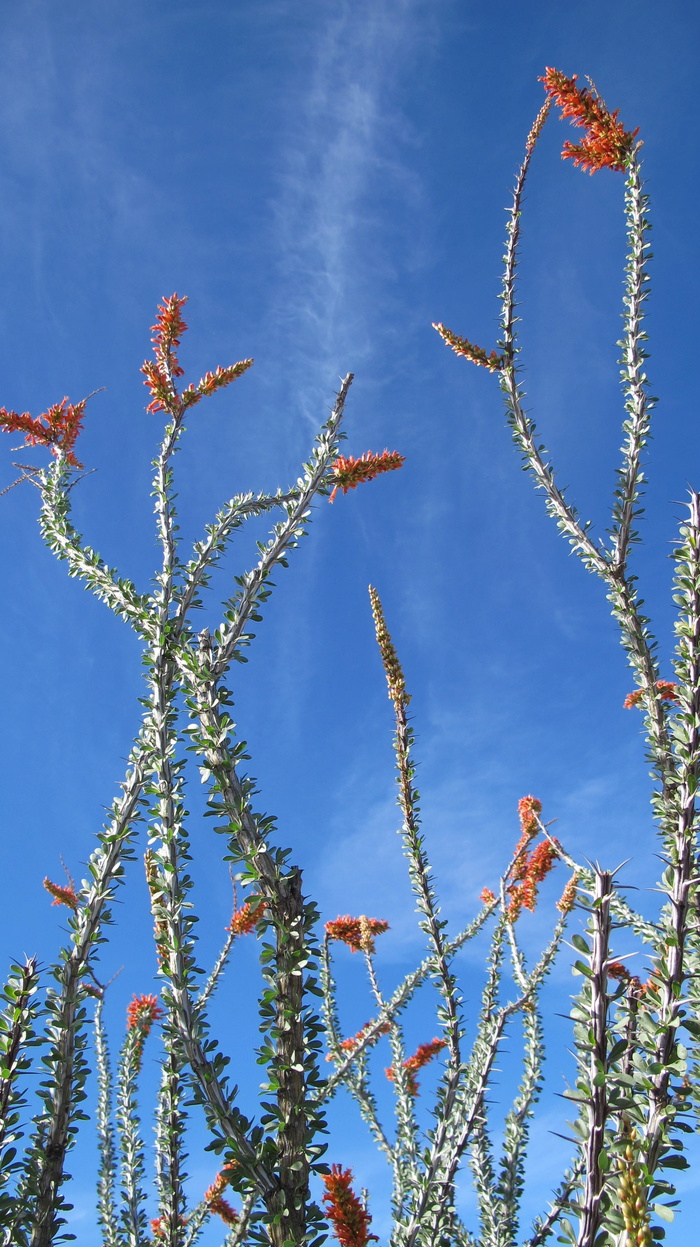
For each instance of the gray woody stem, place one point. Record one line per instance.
(170, 1125)
(284, 908)
(14, 1040)
(611, 567)
(596, 1109)
(682, 841)
(284, 537)
(104, 865)
(106, 1213)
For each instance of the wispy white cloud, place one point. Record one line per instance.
(344, 148)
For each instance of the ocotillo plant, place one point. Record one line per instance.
(633, 1095)
(634, 1086)
(187, 709)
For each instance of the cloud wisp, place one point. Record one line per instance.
(342, 155)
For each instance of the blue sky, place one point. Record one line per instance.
(324, 181)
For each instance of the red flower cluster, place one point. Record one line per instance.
(142, 1013)
(567, 900)
(61, 896)
(530, 867)
(539, 865)
(462, 346)
(160, 374)
(167, 333)
(528, 809)
(349, 1044)
(348, 1216)
(357, 933)
(159, 1229)
(422, 1056)
(607, 144)
(245, 919)
(537, 127)
(57, 428)
(390, 659)
(213, 381)
(618, 970)
(665, 688)
(633, 699)
(348, 472)
(140, 1016)
(215, 1199)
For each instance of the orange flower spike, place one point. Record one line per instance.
(161, 372)
(425, 1053)
(349, 472)
(462, 346)
(63, 424)
(246, 918)
(215, 1199)
(356, 932)
(618, 970)
(542, 861)
(537, 127)
(159, 1229)
(348, 1216)
(158, 384)
(61, 896)
(223, 1209)
(167, 332)
(422, 1056)
(539, 865)
(213, 381)
(58, 428)
(348, 1045)
(528, 809)
(666, 690)
(567, 899)
(487, 897)
(528, 893)
(515, 903)
(390, 660)
(521, 859)
(411, 1080)
(352, 1042)
(607, 144)
(142, 1012)
(71, 427)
